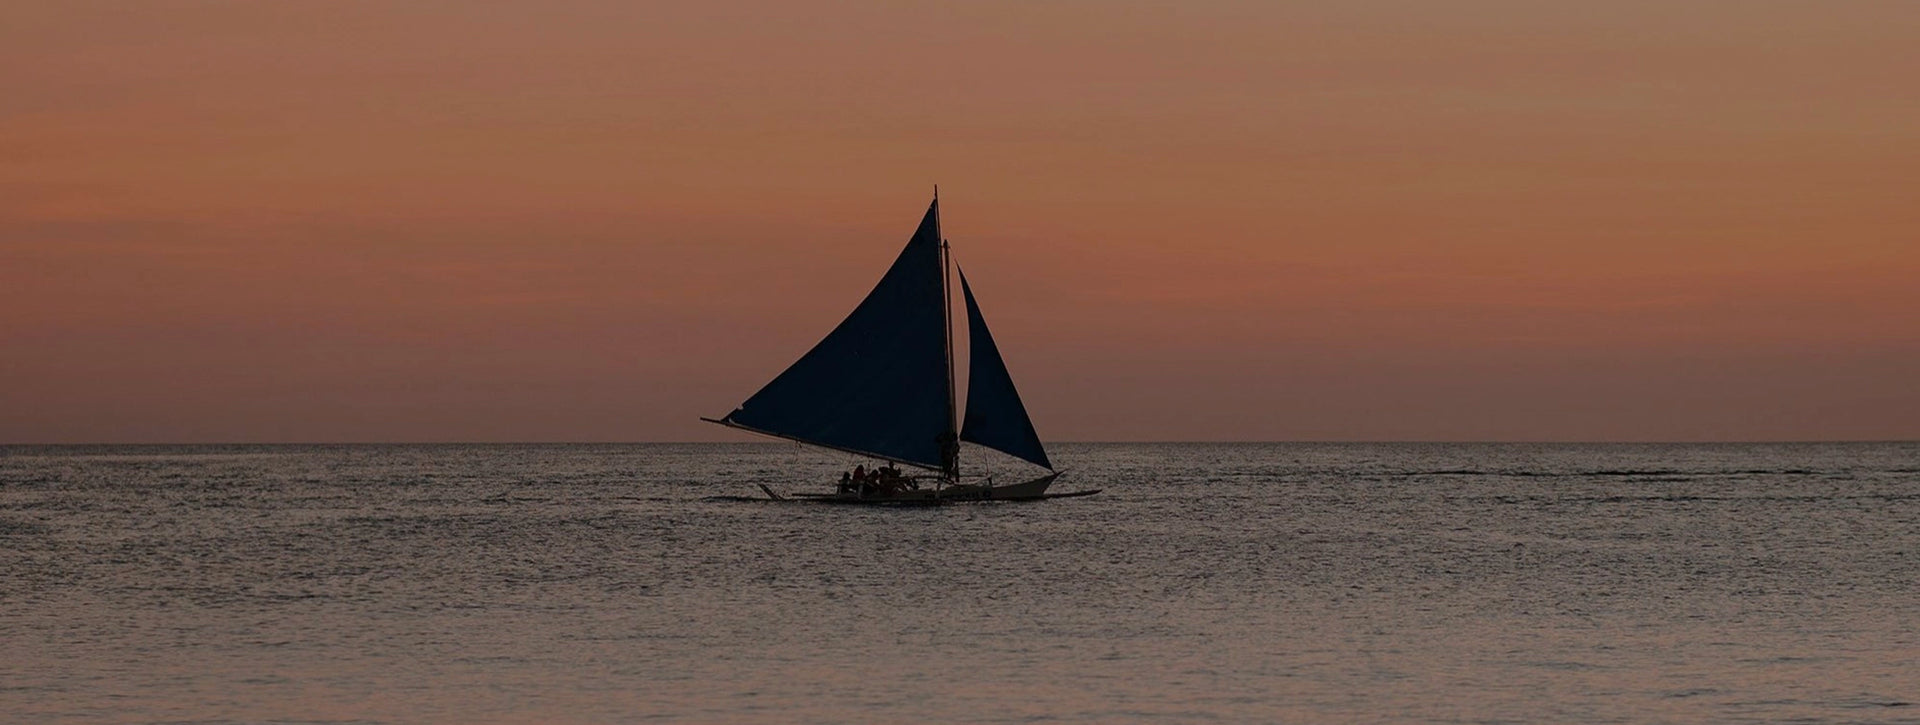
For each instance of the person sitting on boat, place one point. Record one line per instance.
(860, 474)
(846, 482)
(890, 478)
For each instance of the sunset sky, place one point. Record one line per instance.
(1197, 220)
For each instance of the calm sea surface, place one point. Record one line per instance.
(1234, 583)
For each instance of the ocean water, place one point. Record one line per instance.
(1296, 583)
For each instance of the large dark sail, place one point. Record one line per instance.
(878, 383)
(995, 416)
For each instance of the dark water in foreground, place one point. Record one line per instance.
(1235, 583)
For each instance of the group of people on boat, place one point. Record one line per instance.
(885, 479)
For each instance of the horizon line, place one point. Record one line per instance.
(1414, 441)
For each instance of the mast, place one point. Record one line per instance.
(950, 439)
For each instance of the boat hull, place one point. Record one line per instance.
(1026, 491)
(1032, 490)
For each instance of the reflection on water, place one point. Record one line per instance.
(1307, 583)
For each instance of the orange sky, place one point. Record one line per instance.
(1371, 219)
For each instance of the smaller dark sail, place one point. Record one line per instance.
(995, 416)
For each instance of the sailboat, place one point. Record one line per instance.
(881, 385)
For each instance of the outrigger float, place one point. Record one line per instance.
(881, 385)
